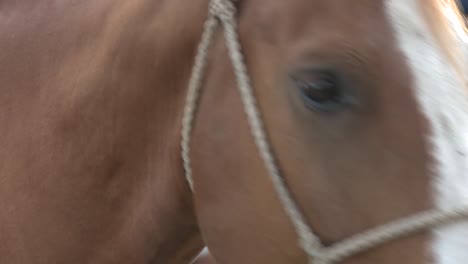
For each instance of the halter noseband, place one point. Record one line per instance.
(223, 12)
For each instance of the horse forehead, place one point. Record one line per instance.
(363, 23)
(442, 16)
(306, 11)
(334, 25)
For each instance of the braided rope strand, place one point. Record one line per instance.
(392, 231)
(194, 92)
(307, 237)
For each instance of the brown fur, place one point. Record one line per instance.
(348, 173)
(91, 99)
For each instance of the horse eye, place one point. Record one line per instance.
(320, 91)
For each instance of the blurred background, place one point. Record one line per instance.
(464, 6)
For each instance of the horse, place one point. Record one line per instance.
(204, 258)
(346, 142)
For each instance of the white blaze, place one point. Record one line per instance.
(442, 95)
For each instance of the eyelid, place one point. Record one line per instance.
(347, 99)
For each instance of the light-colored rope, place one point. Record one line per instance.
(307, 237)
(224, 12)
(388, 232)
(194, 91)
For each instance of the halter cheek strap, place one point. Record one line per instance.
(223, 12)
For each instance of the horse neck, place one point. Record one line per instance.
(100, 88)
(169, 40)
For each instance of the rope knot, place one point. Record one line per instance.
(223, 9)
(319, 258)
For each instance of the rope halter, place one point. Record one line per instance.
(223, 12)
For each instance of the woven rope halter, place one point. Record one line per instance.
(223, 12)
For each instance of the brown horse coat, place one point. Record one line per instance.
(91, 99)
(91, 94)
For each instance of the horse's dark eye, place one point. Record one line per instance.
(320, 90)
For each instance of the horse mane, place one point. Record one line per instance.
(452, 10)
(449, 26)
